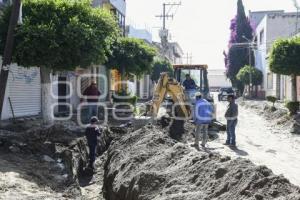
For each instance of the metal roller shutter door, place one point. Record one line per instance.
(25, 90)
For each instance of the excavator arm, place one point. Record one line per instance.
(169, 86)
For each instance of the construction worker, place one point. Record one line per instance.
(231, 116)
(92, 94)
(189, 83)
(203, 115)
(92, 132)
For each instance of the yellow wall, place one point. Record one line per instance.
(115, 80)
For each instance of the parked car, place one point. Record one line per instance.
(224, 92)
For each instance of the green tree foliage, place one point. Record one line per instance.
(244, 75)
(285, 56)
(131, 56)
(61, 34)
(285, 59)
(160, 66)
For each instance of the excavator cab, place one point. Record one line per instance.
(199, 74)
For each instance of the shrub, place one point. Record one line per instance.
(244, 75)
(271, 99)
(293, 107)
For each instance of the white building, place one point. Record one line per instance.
(172, 52)
(143, 34)
(117, 7)
(274, 25)
(217, 78)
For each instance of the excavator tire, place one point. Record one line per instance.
(218, 126)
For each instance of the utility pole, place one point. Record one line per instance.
(297, 17)
(164, 33)
(8, 50)
(189, 58)
(250, 46)
(166, 14)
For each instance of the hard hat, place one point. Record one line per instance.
(197, 94)
(94, 119)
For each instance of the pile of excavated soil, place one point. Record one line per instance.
(148, 165)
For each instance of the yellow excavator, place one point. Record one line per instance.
(170, 90)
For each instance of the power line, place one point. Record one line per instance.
(166, 14)
(189, 58)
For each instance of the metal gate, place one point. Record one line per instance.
(24, 91)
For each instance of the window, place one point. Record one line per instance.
(270, 81)
(261, 37)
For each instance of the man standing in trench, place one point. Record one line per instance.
(231, 116)
(202, 118)
(92, 132)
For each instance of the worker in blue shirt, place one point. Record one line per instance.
(203, 115)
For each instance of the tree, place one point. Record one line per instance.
(238, 55)
(160, 66)
(60, 35)
(244, 75)
(131, 56)
(285, 59)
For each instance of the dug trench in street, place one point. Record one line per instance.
(261, 143)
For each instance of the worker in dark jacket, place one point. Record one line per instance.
(92, 94)
(189, 83)
(92, 132)
(231, 116)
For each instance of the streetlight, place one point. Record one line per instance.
(250, 42)
(297, 17)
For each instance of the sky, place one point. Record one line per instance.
(201, 27)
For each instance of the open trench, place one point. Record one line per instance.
(145, 164)
(48, 162)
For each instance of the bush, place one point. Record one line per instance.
(293, 107)
(244, 75)
(271, 99)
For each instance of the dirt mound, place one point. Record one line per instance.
(148, 165)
